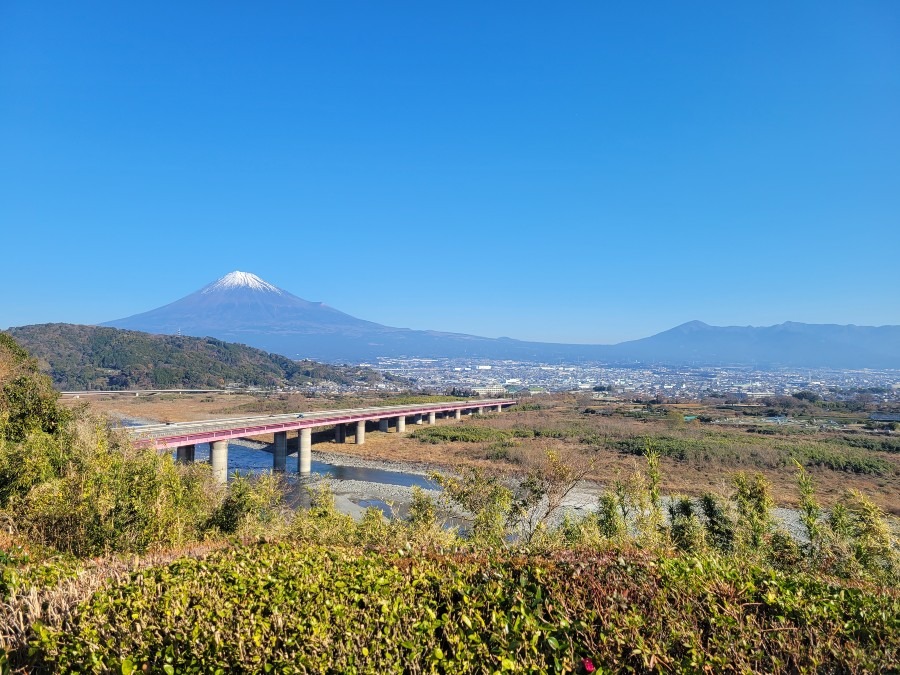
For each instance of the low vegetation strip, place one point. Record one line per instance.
(417, 400)
(775, 453)
(870, 443)
(291, 608)
(459, 433)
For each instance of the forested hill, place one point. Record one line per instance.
(93, 357)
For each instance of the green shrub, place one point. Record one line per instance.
(459, 433)
(252, 506)
(292, 609)
(482, 500)
(717, 522)
(686, 529)
(846, 460)
(525, 407)
(28, 402)
(501, 449)
(111, 498)
(870, 443)
(422, 510)
(753, 501)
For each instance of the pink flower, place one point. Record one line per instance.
(588, 665)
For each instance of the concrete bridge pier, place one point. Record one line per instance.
(279, 456)
(431, 418)
(499, 407)
(340, 433)
(458, 413)
(184, 454)
(401, 424)
(418, 418)
(383, 424)
(218, 457)
(304, 452)
(360, 432)
(481, 410)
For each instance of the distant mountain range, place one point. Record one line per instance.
(92, 357)
(241, 307)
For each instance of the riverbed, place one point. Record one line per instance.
(358, 483)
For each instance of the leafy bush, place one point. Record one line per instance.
(846, 460)
(252, 506)
(292, 609)
(102, 496)
(28, 403)
(870, 443)
(499, 450)
(526, 407)
(459, 433)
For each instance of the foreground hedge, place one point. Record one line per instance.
(288, 608)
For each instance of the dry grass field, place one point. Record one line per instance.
(695, 457)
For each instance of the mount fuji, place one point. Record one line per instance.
(241, 307)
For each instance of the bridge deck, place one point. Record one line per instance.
(178, 434)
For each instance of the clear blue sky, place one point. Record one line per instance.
(584, 171)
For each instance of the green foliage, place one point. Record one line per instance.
(459, 433)
(28, 403)
(72, 484)
(335, 595)
(632, 506)
(810, 396)
(99, 496)
(720, 528)
(422, 510)
(526, 407)
(857, 542)
(33, 567)
(321, 523)
(252, 506)
(810, 511)
(845, 459)
(609, 518)
(485, 502)
(292, 609)
(725, 448)
(654, 481)
(870, 443)
(753, 500)
(94, 357)
(12, 349)
(664, 446)
(408, 399)
(687, 531)
(501, 450)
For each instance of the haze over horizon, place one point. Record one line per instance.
(244, 308)
(239, 279)
(577, 175)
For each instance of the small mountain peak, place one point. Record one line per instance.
(234, 280)
(692, 325)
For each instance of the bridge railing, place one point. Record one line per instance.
(188, 433)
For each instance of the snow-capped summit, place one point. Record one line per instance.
(237, 279)
(241, 307)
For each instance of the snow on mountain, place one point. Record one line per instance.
(242, 307)
(241, 280)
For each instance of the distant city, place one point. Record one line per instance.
(486, 377)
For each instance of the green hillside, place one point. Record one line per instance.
(91, 357)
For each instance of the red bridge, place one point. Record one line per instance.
(185, 435)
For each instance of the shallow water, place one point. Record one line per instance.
(245, 458)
